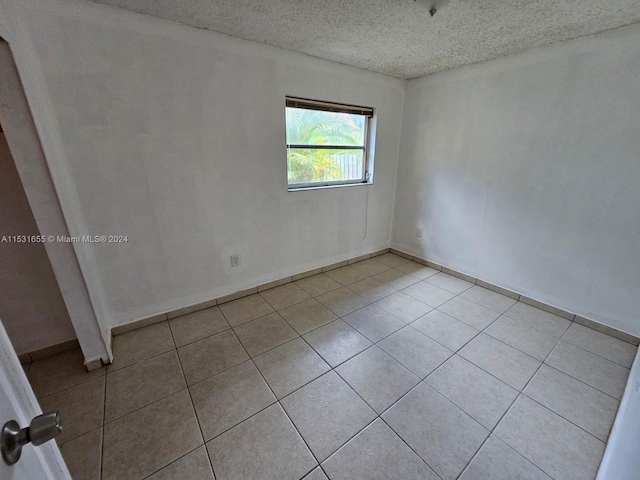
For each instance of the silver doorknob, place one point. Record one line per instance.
(41, 429)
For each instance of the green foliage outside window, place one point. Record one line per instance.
(315, 127)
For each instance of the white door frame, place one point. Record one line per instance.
(33, 169)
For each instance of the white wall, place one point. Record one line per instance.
(174, 136)
(525, 172)
(31, 308)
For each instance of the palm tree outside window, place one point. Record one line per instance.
(326, 143)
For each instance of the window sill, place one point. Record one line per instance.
(323, 187)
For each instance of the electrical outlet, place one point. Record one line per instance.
(418, 231)
(235, 260)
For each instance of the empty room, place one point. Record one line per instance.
(296, 239)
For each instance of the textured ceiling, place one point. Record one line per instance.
(397, 37)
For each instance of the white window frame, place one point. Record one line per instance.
(326, 106)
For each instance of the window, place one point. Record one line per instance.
(326, 143)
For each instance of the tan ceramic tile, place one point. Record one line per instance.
(442, 434)
(307, 316)
(392, 260)
(143, 442)
(336, 342)
(146, 342)
(377, 378)
(374, 322)
(490, 299)
(416, 351)
(318, 284)
(601, 344)
(445, 330)
(245, 309)
(266, 446)
(500, 360)
(579, 403)
(59, 372)
(83, 455)
(549, 441)
(498, 461)
(600, 373)
(396, 279)
(539, 319)
(342, 301)
(471, 313)
(197, 325)
(481, 395)
(193, 466)
(290, 366)
(327, 412)
(265, 333)
(230, 397)
(346, 275)
(521, 337)
(372, 289)
(211, 355)
(371, 267)
(81, 408)
(133, 387)
(285, 296)
(418, 270)
(377, 452)
(429, 294)
(404, 307)
(449, 282)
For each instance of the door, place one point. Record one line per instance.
(18, 402)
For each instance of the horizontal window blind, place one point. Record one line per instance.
(328, 106)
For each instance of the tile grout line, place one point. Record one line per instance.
(512, 403)
(277, 402)
(333, 369)
(193, 406)
(40, 397)
(563, 417)
(175, 461)
(587, 350)
(400, 436)
(379, 415)
(552, 411)
(502, 440)
(582, 382)
(520, 394)
(67, 388)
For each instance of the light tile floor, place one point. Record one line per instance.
(381, 369)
